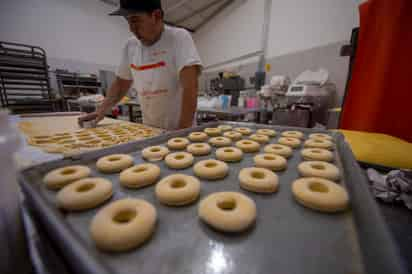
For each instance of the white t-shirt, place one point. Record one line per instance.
(155, 73)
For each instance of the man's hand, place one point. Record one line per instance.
(94, 116)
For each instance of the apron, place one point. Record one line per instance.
(158, 91)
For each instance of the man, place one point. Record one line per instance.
(162, 64)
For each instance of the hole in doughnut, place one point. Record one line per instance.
(227, 204)
(316, 151)
(219, 139)
(318, 166)
(155, 149)
(140, 169)
(196, 134)
(42, 141)
(269, 157)
(257, 175)
(125, 216)
(210, 164)
(199, 146)
(318, 187)
(247, 143)
(114, 158)
(177, 141)
(228, 150)
(178, 183)
(318, 141)
(68, 171)
(179, 157)
(42, 137)
(85, 187)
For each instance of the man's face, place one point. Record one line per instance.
(144, 26)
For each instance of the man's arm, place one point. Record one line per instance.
(117, 90)
(189, 81)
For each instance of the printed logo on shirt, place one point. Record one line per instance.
(158, 52)
(148, 66)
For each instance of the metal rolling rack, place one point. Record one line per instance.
(24, 79)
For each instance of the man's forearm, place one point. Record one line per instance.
(189, 104)
(118, 89)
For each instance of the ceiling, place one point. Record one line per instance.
(189, 14)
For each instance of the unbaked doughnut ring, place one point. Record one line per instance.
(179, 160)
(178, 190)
(278, 149)
(320, 194)
(211, 169)
(225, 127)
(293, 134)
(243, 130)
(212, 131)
(229, 154)
(139, 175)
(259, 180)
(114, 163)
(248, 146)
(198, 136)
(289, 141)
(199, 149)
(320, 136)
(319, 169)
(270, 161)
(260, 138)
(228, 211)
(84, 194)
(63, 176)
(319, 143)
(220, 141)
(155, 153)
(123, 224)
(233, 135)
(267, 132)
(317, 154)
(178, 143)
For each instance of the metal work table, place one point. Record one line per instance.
(230, 113)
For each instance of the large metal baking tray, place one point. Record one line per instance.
(287, 238)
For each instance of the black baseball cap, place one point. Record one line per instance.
(132, 6)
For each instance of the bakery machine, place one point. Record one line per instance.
(228, 86)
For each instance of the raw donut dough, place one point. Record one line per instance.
(155, 153)
(243, 130)
(211, 169)
(123, 224)
(114, 163)
(317, 154)
(178, 143)
(260, 180)
(225, 127)
(292, 134)
(260, 138)
(178, 190)
(234, 135)
(248, 146)
(278, 149)
(84, 194)
(228, 211)
(289, 141)
(267, 132)
(199, 149)
(270, 161)
(220, 141)
(319, 169)
(319, 143)
(229, 154)
(179, 160)
(139, 175)
(63, 176)
(198, 136)
(320, 194)
(212, 131)
(320, 136)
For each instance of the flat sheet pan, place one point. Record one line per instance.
(287, 237)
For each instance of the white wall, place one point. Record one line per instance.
(295, 25)
(233, 33)
(67, 29)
